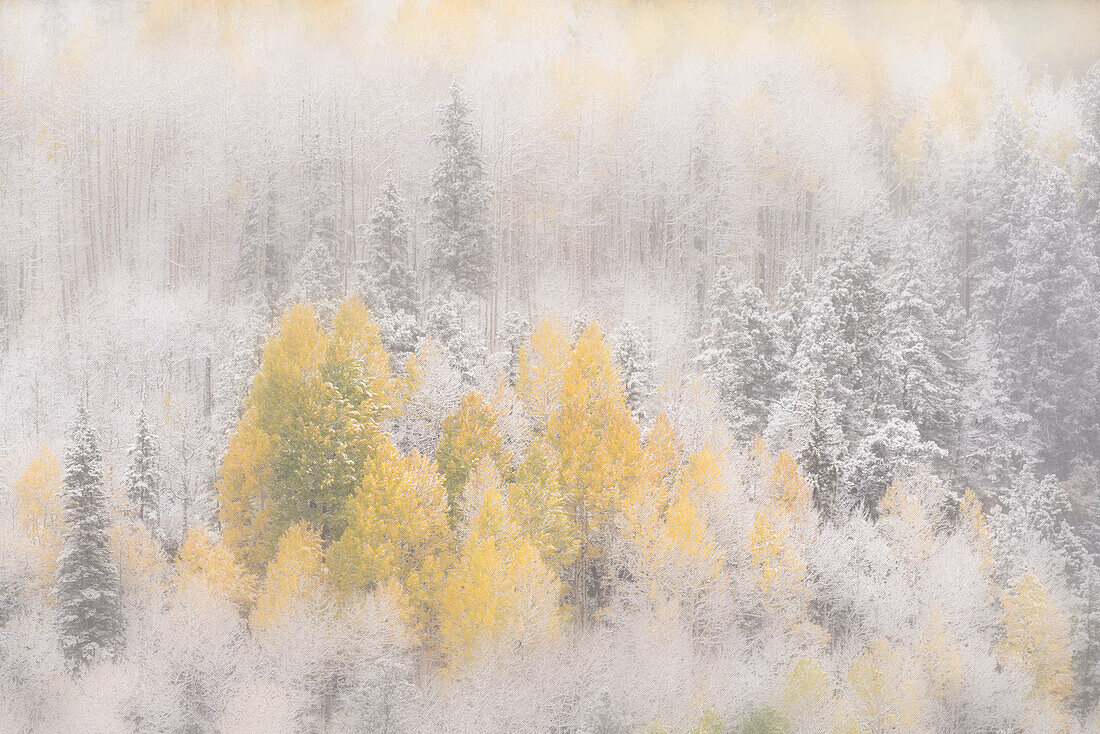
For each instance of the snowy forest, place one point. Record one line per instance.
(560, 366)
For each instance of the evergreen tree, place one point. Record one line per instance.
(792, 305)
(317, 279)
(450, 322)
(389, 242)
(740, 353)
(143, 479)
(807, 421)
(515, 331)
(458, 231)
(921, 347)
(1049, 328)
(401, 335)
(261, 256)
(636, 367)
(996, 438)
(87, 590)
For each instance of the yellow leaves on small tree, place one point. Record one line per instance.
(1037, 638)
(202, 561)
(467, 437)
(540, 508)
(244, 494)
(500, 591)
(885, 688)
(941, 659)
(911, 516)
(779, 566)
(396, 527)
(296, 573)
(599, 448)
(973, 525)
(787, 488)
(38, 509)
(541, 369)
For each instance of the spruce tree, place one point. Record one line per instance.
(389, 242)
(450, 321)
(317, 279)
(87, 586)
(143, 478)
(515, 331)
(740, 353)
(458, 231)
(636, 367)
(922, 346)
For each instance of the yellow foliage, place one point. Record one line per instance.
(541, 369)
(296, 572)
(779, 567)
(888, 697)
(466, 437)
(244, 493)
(357, 363)
(1037, 638)
(499, 591)
(396, 527)
(807, 693)
(142, 565)
(200, 560)
(910, 518)
(973, 525)
(787, 488)
(910, 144)
(540, 508)
(594, 434)
(701, 478)
(38, 509)
(941, 659)
(963, 102)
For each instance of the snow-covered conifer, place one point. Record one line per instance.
(87, 585)
(634, 356)
(143, 478)
(458, 234)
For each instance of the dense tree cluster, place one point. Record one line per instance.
(811, 444)
(545, 563)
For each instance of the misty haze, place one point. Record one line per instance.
(551, 366)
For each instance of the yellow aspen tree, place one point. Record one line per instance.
(396, 528)
(244, 494)
(910, 518)
(289, 398)
(690, 563)
(779, 567)
(541, 370)
(500, 591)
(540, 508)
(38, 510)
(939, 655)
(142, 564)
(357, 364)
(466, 437)
(787, 488)
(202, 561)
(807, 700)
(973, 525)
(297, 572)
(599, 448)
(1037, 638)
(701, 477)
(885, 688)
